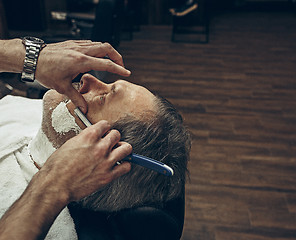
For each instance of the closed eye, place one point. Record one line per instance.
(110, 94)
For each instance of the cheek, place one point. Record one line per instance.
(63, 121)
(51, 99)
(70, 106)
(115, 112)
(95, 113)
(51, 95)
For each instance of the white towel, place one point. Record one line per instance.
(20, 119)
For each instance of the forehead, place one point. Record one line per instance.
(135, 98)
(135, 91)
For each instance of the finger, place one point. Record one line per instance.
(100, 50)
(112, 138)
(76, 98)
(121, 151)
(112, 54)
(97, 131)
(99, 64)
(120, 170)
(82, 41)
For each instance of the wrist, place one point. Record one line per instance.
(21, 53)
(33, 48)
(12, 55)
(45, 188)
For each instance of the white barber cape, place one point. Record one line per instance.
(20, 120)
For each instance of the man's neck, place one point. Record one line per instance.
(40, 148)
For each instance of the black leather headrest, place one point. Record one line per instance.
(145, 223)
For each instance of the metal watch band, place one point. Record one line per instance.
(30, 62)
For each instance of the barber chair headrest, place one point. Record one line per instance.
(145, 223)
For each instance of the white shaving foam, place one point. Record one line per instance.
(41, 148)
(63, 121)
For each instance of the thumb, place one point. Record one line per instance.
(76, 98)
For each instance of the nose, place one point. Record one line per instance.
(90, 83)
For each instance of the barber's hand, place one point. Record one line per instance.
(60, 63)
(86, 162)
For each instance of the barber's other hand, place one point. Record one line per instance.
(60, 63)
(85, 163)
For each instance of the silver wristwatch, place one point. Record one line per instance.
(33, 47)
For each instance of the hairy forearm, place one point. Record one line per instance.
(31, 216)
(12, 55)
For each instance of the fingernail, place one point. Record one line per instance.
(129, 72)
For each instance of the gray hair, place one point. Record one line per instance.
(162, 137)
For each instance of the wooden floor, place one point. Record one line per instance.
(238, 97)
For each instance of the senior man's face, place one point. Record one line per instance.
(105, 102)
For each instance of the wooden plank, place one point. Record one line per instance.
(237, 95)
